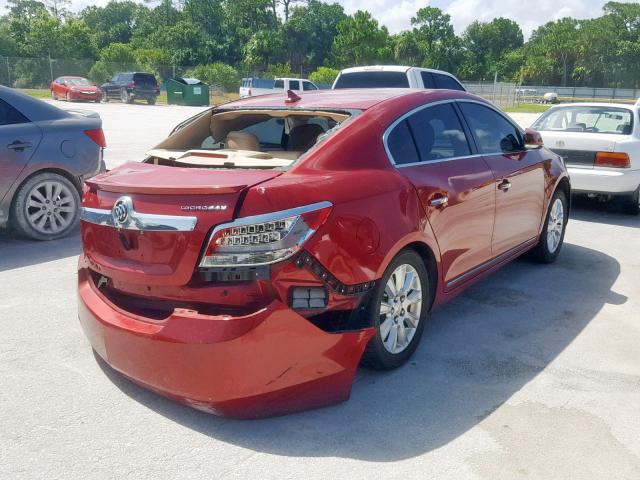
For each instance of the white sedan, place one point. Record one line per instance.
(600, 144)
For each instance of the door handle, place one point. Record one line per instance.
(504, 185)
(19, 146)
(439, 201)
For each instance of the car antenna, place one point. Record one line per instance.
(292, 97)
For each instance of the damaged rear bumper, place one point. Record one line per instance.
(270, 362)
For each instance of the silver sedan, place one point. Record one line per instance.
(45, 154)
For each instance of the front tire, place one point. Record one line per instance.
(104, 98)
(151, 100)
(398, 309)
(53, 95)
(555, 225)
(46, 207)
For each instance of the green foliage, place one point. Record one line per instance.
(278, 70)
(361, 41)
(217, 74)
(324, 75)
(278, 37)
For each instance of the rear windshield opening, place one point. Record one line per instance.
(372, 80)
(257, 139)
(610, 120)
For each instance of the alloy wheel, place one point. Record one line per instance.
(400, 309)
(50, 207)
(555, 225)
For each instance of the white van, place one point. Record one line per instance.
(395, 76)
(251, 87)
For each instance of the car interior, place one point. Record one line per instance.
(587, 119)
(246, 138)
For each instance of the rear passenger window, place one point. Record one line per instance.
(427, 80)
(294, 85)
(438, 133)
(446, 82)
(9, 115)
(401, 146)
(492, 132)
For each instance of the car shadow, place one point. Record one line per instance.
(476, 352)
(17, 252)
(609, 213)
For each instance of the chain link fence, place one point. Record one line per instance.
(500, 93)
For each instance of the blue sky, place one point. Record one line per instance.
(396, 14)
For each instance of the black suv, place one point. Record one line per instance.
(131, 85)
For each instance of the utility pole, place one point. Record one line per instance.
(8, 72)
(50, 67)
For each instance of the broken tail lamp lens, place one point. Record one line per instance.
(264, 239)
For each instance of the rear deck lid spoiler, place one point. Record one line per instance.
(145, 178)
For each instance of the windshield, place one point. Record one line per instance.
(78, 82)
(611, 120)
(372, 80)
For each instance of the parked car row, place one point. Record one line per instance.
(126, 87)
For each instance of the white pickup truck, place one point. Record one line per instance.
(395, 76)
(252, 86)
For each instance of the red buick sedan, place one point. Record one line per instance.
(74, 89)
(270, 245)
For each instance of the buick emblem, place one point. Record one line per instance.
(121, 210)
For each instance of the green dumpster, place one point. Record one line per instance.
(187, 91)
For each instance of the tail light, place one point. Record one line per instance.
(249, 92)
(97, 135)
(132, 84)
(264, 239)
(611, 159)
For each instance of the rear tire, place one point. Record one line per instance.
(125, 96)
(53, 95)
(555, 225)
(632, 203)
(46, 207)
(105, 97)
(398, 309)
(151, 100)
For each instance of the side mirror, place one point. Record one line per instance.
(532, 139)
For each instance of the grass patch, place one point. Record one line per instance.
(528, 108)
(37, 92)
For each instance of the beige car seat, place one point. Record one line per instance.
(242, 141)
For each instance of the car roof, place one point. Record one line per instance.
(391, 68)
(32, 108)
(342, 99)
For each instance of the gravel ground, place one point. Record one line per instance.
(532, 373)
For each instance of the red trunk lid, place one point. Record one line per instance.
(161, 257)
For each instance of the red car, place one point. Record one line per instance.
(269, 245)
(74, 89)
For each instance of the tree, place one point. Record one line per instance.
(113, 23)
(264, 47)
(217, 74)
(309, 33)
(436, 39)
(360, 41)
(486, 45)
(324, 75)
(553, 45)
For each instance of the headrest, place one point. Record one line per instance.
(303, 137)
(242, 141)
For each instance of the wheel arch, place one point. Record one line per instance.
(430, 262)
